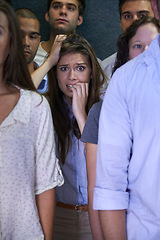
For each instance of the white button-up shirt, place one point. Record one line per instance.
(28, 166)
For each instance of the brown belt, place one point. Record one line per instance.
(78, 208)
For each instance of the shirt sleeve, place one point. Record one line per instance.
(48, 172)
(90, 132)
(114, 148)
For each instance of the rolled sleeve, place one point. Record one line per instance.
(114, 150)
(100, 196)
(48, 172)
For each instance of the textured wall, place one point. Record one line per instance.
(101, 26)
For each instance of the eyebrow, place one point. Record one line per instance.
(75, 63)
(135, 42)
(70, 4)
(37, 33)
(83, 63)
(142, 11)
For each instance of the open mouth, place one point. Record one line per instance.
(69, 86)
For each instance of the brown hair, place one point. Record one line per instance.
(15, 67)
(62, 123)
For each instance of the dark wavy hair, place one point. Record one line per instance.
(124, 39)
(62, 123)
(15, 67)
(81, 6)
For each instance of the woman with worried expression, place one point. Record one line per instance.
(74, 86)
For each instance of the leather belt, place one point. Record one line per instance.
(78, 208)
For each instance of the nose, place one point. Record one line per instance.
(26, 41)
(72, 75)
(135, 17)
(63, 10)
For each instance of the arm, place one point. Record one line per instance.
(48, 174)
(38, 75)
(79, 100)
(45, 205)
(91, 158)
(113, 159)
(113, 224)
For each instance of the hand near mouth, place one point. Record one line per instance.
(79, 101)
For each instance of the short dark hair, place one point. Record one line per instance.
(121, 2)
(81, 6)
(26, 13)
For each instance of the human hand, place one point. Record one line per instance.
(55, 50)
(79, 101)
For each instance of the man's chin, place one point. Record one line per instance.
(29, 60)
(63, 30)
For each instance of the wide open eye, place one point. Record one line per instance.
(63, 69)
(81, 68)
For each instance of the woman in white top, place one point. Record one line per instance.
(29, 170)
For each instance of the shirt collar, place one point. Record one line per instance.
(35, 65)
(21, 111)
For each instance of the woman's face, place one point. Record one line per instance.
(141, 40)
(4, 39)
(72, 68)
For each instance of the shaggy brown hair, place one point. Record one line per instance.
(73, 44)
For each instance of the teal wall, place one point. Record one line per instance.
(101, 26)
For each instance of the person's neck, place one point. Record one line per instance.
(31, 67)
(48, 44)
(4, 88)
(2, 83)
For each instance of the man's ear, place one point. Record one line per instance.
(39, 39)
(47, 17)
(80, 20)
(155, 8)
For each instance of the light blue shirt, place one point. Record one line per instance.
(74, 190)
(128, 164)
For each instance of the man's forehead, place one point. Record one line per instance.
(66, 1)
(75, 2)
(29, 22)
(136, 6)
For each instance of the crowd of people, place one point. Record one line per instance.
(79, 152)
